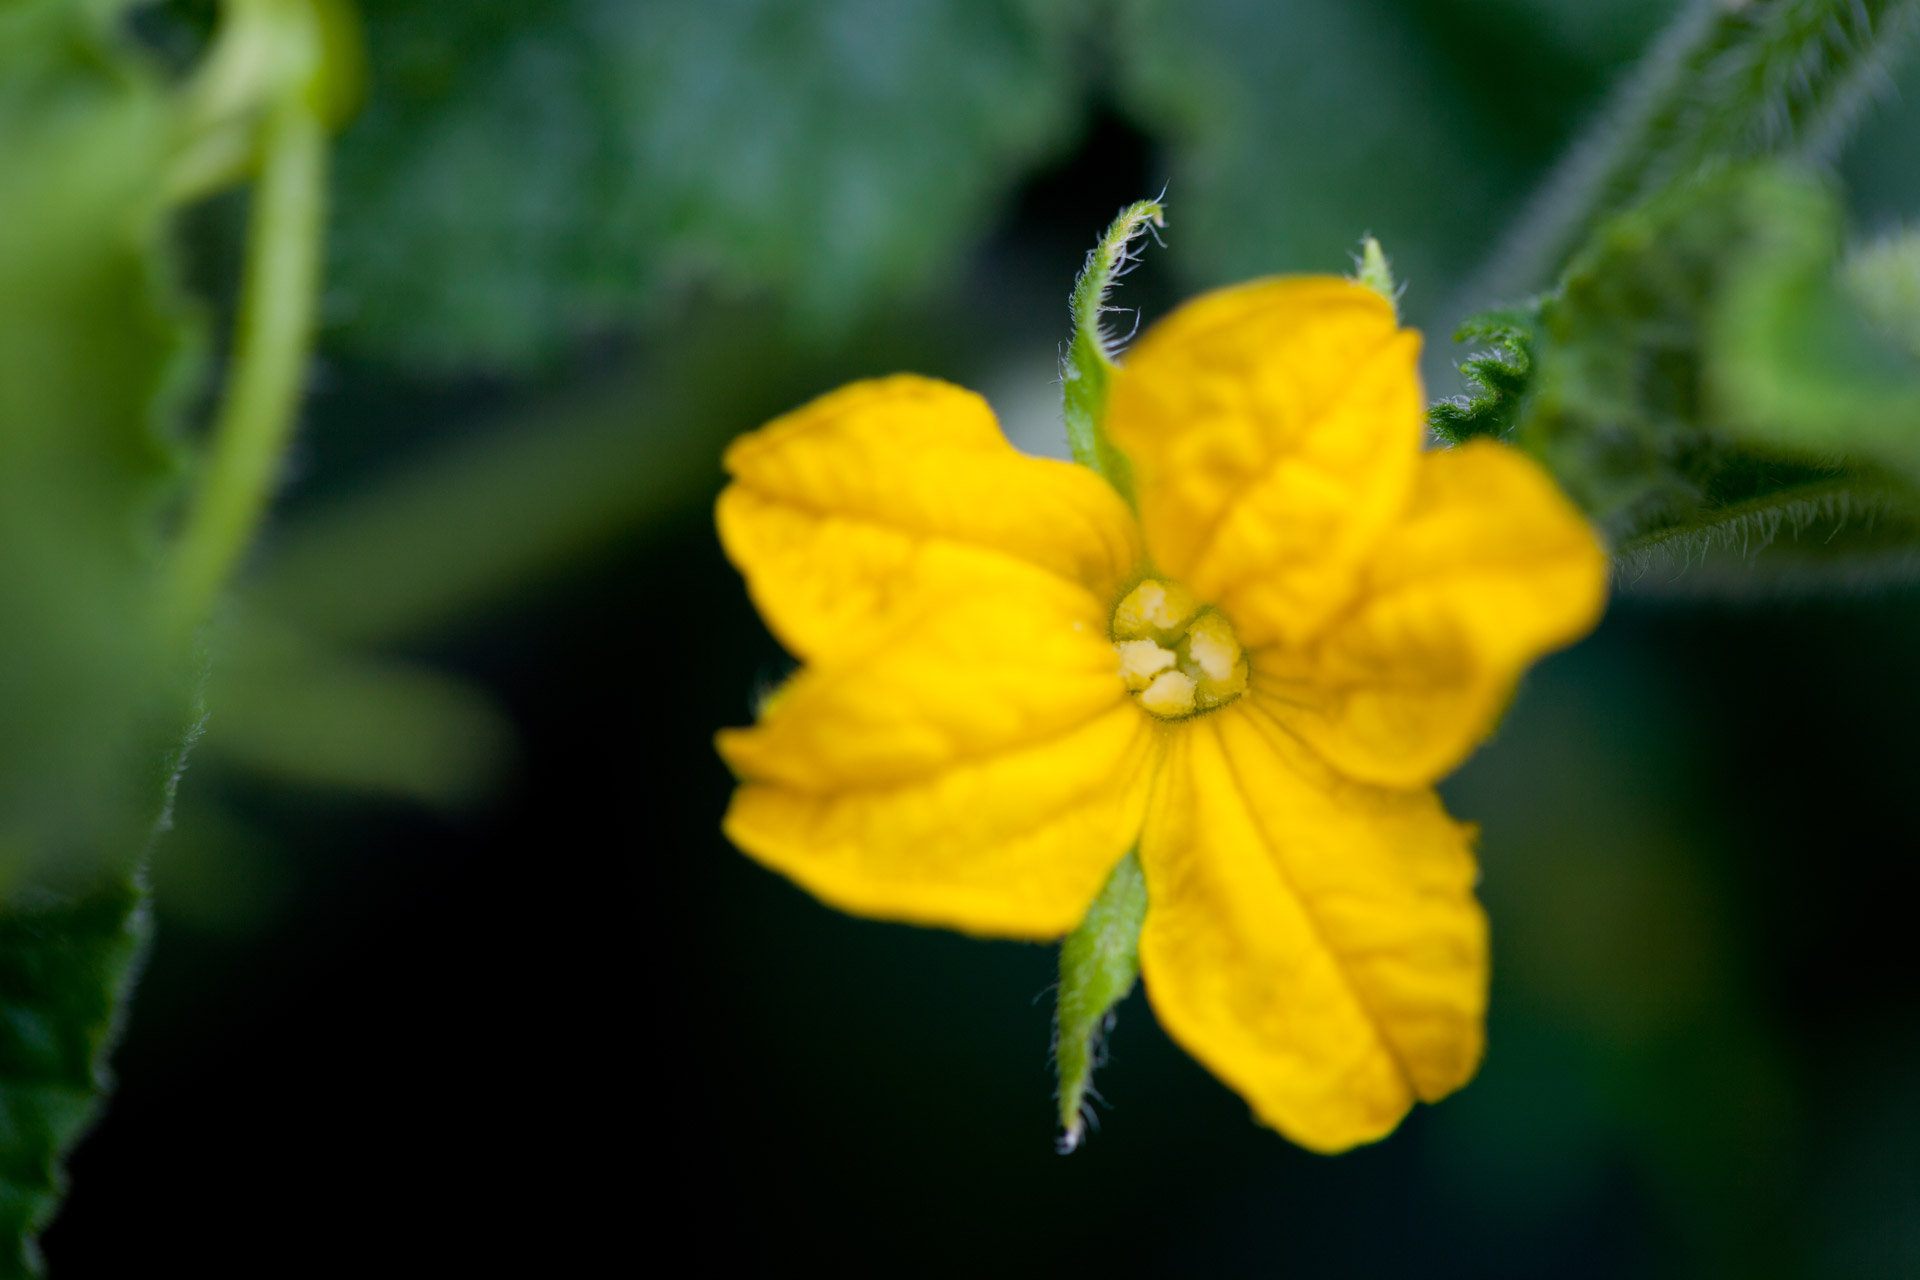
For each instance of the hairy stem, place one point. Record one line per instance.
(1730, 80)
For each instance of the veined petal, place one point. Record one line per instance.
(834, 506)
(1313, 941)
(984, 655)
(1490, 568)
(1273, 430)
(1011, 845)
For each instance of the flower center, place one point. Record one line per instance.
(1177, 657)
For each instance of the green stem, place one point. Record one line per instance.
(1726, 82)
(1090, 356)
(271, 342)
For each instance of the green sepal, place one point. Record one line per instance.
(66, 966)
(1373, 270)
(1089, 361)
(1099, 962)
(1500, 375)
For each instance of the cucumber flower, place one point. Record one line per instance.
(1251, 675)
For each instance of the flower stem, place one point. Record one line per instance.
(272, 338)
(1089, 359)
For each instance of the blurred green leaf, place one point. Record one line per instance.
(1265, 104)
(94, 352)
(527, 172)
(1617, 411)
(65, 967)
(1799, 365)
(1883, 280)
(428, 543)
(1633, 351)
(294, 709)
(94, 349)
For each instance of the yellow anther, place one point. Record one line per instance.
(1141, 661)
(1178, 659)
(1154, 610)
(1213, 647)
(1170, 695)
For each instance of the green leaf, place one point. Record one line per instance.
(95, 350)
(528, 172)
(1798, 364)
(1882, 279)
(66, 967)
(430, 543)
(1099, 962)
(299, 710)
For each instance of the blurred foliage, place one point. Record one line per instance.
(95, 350)
(1295, 127)
(1806, 363)
(1727, 83)
(531, 172)
(1620, 410)
(1884, 279)
(1704, 379)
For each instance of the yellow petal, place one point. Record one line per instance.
(834, 506)
(978, 766)
(1010, 845)
(1490, 568)
(987, 655)
(1313, 941)
(1273, 430)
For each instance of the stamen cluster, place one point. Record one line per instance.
(1176, 657)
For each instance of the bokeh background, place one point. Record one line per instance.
(454, 972)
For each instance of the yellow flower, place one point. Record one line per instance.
(1010, 680)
